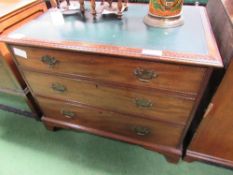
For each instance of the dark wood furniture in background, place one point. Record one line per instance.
(220, 13)
(13, 14)
(213, 141)
(104, 78)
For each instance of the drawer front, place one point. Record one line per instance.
(121, 70)
(131, 101)
(132, 127)
(6, 81)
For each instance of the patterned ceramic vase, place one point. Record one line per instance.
(165, 8)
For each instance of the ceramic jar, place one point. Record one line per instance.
(165, 8)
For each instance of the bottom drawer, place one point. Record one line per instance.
(138, 129)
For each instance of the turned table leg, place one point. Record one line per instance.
(58, 3)
(110, 3)
(54, 3)
(68, 2)
(81, 2)
(119, 7)
(93, 10)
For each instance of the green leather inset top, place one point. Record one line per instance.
(130, 31)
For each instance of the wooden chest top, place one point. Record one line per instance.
(192, 43)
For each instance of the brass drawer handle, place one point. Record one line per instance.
(68, 114)
(58, 87)
(144, 103)
(141, 131)
(51, 61)
(145, 75)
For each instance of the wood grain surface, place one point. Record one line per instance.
(115, 123)
(163, 106)
(213, 141)
(177, 78)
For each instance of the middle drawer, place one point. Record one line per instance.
(148, 104)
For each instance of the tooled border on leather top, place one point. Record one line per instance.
(212, 59)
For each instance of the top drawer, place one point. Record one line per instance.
(177, 78)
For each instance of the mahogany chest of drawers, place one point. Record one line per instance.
(118, 79)
(13, 14)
